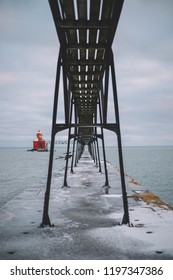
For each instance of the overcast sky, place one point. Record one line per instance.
(143, 50)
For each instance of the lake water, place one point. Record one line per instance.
(150, 166)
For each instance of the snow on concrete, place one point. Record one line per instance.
(87, 222)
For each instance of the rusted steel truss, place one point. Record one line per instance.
(86, 30)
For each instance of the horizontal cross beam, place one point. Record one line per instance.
(110, 126)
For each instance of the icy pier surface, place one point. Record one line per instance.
(86, 220)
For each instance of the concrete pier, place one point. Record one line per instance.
(86, 221)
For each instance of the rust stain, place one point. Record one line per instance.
(132, 181)
(149, 197)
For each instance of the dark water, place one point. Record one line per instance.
(150, 166)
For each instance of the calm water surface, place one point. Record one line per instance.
(150, 166)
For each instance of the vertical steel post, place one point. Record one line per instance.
(104, 159)
(93, 152)
(98, 152)
(73, 152)
(76, 158)
(104, 153)
(126, 219)
(68, 148)
(75, 135)
(96, 156)
(105, 95)
(45, 219)
(66, 91)
(96, 135)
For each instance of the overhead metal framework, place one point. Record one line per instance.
(86, 30)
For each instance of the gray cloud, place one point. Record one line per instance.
(143, 50)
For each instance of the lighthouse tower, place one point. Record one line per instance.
(39, 143)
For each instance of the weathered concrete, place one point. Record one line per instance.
(86, 221)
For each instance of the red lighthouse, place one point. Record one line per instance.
(39, 143)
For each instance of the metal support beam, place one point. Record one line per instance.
(66, 91)
(98, 152)
(45, 219)
(104, 153)
(105, 94)
(73, 155)
(68, 147)
(85, 59)
(125, 201)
